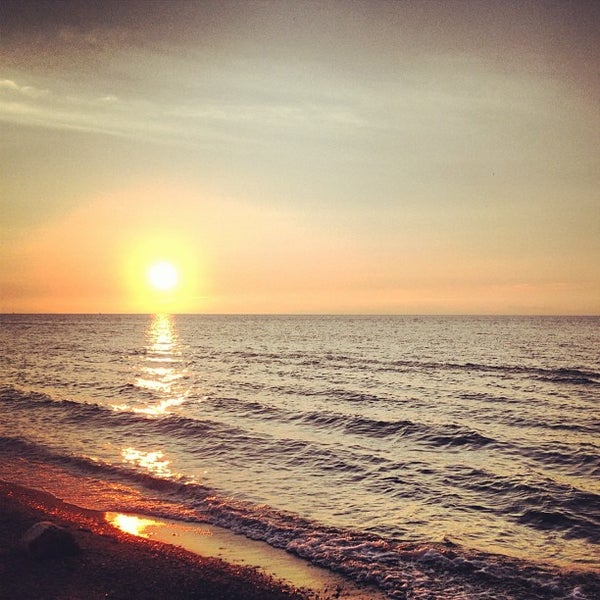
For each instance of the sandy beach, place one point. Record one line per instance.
(113, 564)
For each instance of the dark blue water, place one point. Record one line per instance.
(479, 430)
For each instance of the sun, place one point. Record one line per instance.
(163, 276)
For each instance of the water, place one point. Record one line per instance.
(336, 437)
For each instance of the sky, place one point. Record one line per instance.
(300, 157)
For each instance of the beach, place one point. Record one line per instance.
(127, 556)
(112, 564)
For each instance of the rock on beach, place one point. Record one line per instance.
(47, 540)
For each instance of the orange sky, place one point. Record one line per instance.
(353, 157)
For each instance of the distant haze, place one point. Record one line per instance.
(300, 157)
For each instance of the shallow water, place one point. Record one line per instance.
(314, 430)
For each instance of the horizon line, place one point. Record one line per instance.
(299, 314)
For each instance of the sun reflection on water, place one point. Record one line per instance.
(131, 524)
(162, 334)
(153, 462)
(160, 374)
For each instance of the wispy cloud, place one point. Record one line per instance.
(167, 120)
(23, 90)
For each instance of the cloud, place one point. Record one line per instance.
(187, 119)
(108, 99)
(24, 90)
(8, 84)
(99, 113)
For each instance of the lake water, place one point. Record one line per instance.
(335, 437)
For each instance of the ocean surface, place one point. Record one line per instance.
(339, 438)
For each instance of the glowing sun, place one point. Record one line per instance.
(163, 276)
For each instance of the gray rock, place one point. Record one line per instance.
(47, 540)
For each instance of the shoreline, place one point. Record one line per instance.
(211, 541)
(114, 564)
(135, 557)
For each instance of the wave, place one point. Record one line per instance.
(583, 459)
(401, 569)
(87, 465)
(223, 435)
(573, 525)
(576, 376)
(553, 423)
(540, 503)
(231, 437)
(441, 435)
(570, 508)
(573, 375)
(187, 427)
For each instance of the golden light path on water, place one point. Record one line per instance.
(153, 462)
(159, 374)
